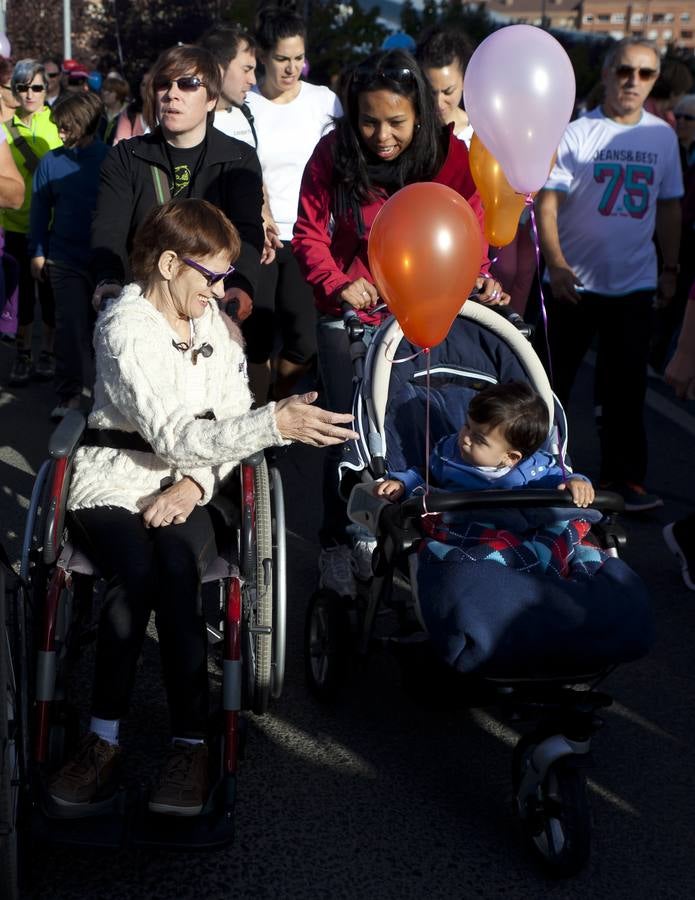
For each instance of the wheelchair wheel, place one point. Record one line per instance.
(326, 645)
(279, 583)
(9, 758)
(557, 820)
(259, 596)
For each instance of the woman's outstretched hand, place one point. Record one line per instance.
(298, 420)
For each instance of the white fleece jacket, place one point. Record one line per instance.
(145, 384)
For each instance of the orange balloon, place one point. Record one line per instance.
(501, 203)
(425, 251)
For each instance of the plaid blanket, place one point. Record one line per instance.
(558, 550)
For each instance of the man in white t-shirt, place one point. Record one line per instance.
(616, 182)
(234, 50)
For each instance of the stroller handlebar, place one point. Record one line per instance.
(437, 502)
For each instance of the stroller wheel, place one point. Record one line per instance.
(556, 819)
(326, 644)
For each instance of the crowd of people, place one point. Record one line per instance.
(223, 203)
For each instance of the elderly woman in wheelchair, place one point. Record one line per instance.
(172, 417)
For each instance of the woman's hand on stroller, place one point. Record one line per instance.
(298, 420)
(173, 505)
(582, 491)
(490, 292)
(390, 488)
(361, 294)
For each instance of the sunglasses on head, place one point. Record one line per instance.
(184, 83)
(212, 278)
(685, 116)
(643, 72)
(401, 75)
(34, 88)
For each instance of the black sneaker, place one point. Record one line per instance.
(636, 498)
(682, 545)
(90, 775)
(46, 366)
(183, 783)
(22, 369)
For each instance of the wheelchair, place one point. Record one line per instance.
(52, 616)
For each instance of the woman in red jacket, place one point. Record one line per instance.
(390, 136)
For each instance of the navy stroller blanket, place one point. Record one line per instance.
(541, 603)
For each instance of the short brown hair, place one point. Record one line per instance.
(189, 227)
(78, 114)
(177, 61)
(119, 86)
(518, 409)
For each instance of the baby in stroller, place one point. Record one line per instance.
(498, 446)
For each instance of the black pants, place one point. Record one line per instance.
(623, 326)
(160, 569)
(284, 304)
(74, 318)
(16, 245)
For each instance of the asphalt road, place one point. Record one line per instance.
(388, 796)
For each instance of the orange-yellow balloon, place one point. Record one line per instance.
(425, 252)
(501, 203)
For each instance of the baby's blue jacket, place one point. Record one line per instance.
(451, 473)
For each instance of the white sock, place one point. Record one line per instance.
(192, 741)
(106, 729)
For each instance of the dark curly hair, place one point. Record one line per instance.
(396, 71)
(520, 411)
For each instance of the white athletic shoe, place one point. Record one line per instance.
(362, 553)
(337, 570)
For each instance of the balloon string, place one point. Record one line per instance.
(402, 359)
(544, 317)
(427, 424)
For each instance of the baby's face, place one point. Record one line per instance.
(481, 445)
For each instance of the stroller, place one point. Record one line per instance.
(531, 639)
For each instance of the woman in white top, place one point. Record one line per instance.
(290, 116)
(444, 54)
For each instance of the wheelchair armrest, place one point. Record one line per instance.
(254, 460)
(64, 440)
(440, 502)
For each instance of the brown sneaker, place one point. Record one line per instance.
(183, 782)
(91, 774)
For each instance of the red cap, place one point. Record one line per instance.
(78, 72)
(70, 64)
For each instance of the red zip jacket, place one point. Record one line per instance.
(329, 250)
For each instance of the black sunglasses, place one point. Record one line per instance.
(53, 74)
(401, 75)
(187, 83)
(34, 88)
(212, 278)
(686, 116)
(644, 73)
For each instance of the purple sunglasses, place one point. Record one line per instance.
(211, 277)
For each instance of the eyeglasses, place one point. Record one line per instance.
(212, 278)
(401, 75)
(686, 116)
(34, 88)
(644, 73)
(53, 74)
(188, 83)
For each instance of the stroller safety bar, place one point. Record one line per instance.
(448, 502)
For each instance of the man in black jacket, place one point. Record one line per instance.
(185, 156)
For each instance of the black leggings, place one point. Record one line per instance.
(623, 326)
(284, 302)
(17, 245)
(146, 569)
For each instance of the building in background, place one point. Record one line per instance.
(668, 22)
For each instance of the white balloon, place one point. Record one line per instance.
(5, 49)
